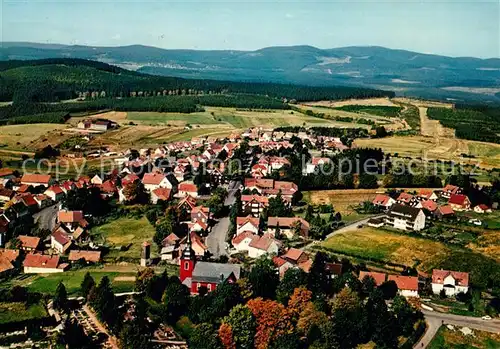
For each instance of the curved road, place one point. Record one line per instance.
(435, 320)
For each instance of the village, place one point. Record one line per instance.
(217, 206)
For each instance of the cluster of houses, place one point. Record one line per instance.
(452, 282)
(409, 212)
(96, 125)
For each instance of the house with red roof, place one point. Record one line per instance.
(87, 256)
(406, 199)
(379, 278)
(8, 261)
(197, 244)
(450, 190)
(72, 219)
(249, 223)
(200, 214)
(482, 208)
(295, 256)
(459, 202)
(315, 163)
(35, 263)
(407, 285)
(282, 265)
(187, 204)
(288, 226)
(6, 194)
(187, 188)
(254, 204)
(160, 194)
(42, 200)
(429, 206)
(452, 282)
(152, 181)
(444, 212)
(384, 201)
(333, 270)
(29, 243)
(241, 241)
(55, 193)
(263, 245)
(36, 180)
(129, 178)
(427, 194)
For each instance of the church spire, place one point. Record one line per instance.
(188, 252)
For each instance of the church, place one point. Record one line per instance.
(196, 274)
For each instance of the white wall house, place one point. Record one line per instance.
(405, 218)
(453, 282)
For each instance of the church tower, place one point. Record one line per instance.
(188, 260)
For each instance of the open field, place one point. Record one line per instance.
(125, 233)
(27, 136)
(342, 200)
(47, 283)
(384, 245)
(422, 103)
(368, 102)
(446, 338)
(16, 312)
(486, 154)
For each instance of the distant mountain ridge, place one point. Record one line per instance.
(404, 72)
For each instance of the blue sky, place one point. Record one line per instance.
(451, 27)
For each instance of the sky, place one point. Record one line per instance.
(449, 27)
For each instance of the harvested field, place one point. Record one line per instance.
(31, 136)
(368, 101)
(342, 200)
(384, 245)
(119, 117)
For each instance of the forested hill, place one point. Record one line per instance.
(49, 80)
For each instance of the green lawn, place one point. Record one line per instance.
(202, 118)
(15, 312)
(125, 233)
(447, 339)
(47, 283)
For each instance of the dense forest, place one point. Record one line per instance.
(29, 112)
(480, 123)
(60, 78)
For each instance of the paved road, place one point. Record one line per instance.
(46, 218)
(231, 191)
(435, 320)
(216, 240)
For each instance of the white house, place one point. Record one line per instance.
(154, 181)
(405, 218)
(315, 163)
(249, 223)
(240, 242)
(407, 285)
(262, 245)
(453, 282)
(44, 264)
(384, 201)
(482, 208)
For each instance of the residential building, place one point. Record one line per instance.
(200, 214)
(379, 278)
(55, 193)
(72, 220)
(160, 194)
(482, 208)
(282, 265)
(36, 180)
(241, 241)
(187, 188)
(35, 263)
(427, 194)
(405, 218)
(288, 226)
(87, 256)
(406, 199)
(29, 243)
(263, 245)
(249, 223)
(152, 181)
(452, 282)
(254, 204)
(459, 202)
(333, 270)
(444, 212)
(8, 261)
(450, 190)
(407, 285)
(384, 201)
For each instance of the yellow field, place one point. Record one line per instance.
(488, 244)
(369, 101)
(24, 136)
(487, 154)
(342, 200)
(380, 244)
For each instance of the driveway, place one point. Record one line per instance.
(46, 218)
(216, 239)
(435, 320)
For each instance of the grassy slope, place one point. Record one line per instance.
(125, 232)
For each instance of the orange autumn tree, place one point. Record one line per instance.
(300, 298)
(226, 336)
(272, 321)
